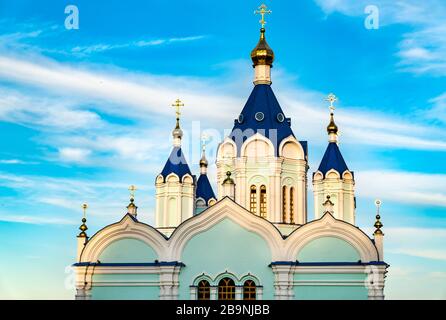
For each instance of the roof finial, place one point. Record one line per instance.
(132, 208)
(332, 128)
(328, 205)
(177, 104)
(228, 179)
(262, 11)
(177, 133)
(83, 226)
(203, 160)
(132, 190)
(378, 225)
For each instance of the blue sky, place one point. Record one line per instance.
(85, 113)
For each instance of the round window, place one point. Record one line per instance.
(240, 118)
(259, 116)
(280, 117)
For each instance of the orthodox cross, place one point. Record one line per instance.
(84, 208)
(177, 104)
(332, 99)
(132, 190)
(262, 11)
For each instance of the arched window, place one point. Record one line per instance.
(284, 204)
(253, 199)
(263, 201)
(204, 290)
(249, 290)
(226, 289)
(291, 205)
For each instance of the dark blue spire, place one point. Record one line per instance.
(204, 188)
(261, 114)
(332, 159)
(176, 164)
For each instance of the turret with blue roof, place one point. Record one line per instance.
(176, 163)
(204, 193)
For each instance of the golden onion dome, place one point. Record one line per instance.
(332, 127)
(262, 54)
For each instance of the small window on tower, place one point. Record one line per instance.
(263, 201)
(291, 205)
(253, 199)
(284, 204)
(249, 290)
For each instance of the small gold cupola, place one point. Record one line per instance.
(332, 128)
(262, 55)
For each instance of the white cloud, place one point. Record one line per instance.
(422, 50)
(95, 48)
(404, 187)
(33, 219)
(74, 154)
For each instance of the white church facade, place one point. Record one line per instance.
(251, 239)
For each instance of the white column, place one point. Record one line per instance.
(83, 294)
(283, 282)
(169, 282)
(238, 293)
(214, 293)
(375, 281)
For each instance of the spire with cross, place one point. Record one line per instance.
(177, 104)
(332, 99)
(262, 11)
(132, 208)
(83, 226)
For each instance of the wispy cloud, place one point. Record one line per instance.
(96, 48)
(400, 186)
(421, 51)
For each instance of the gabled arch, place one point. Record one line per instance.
(159, 179)
(227, 147)
(253, 139)
(284, 150)
(188, 179)
(226, 274)
(127, 228)
(318, 176)
(328, 226)
(225, 208)
(347, 175)
(332, 174)
(172, 177)
(202, 277)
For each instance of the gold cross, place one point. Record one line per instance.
(332, 99)
(84, 208)
(177, 104)
(132, 190)
(262, 11)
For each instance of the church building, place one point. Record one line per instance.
(251, 238)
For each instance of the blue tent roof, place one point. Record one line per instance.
(204, 188)
(176, 164)
(270, 120)
(332, 159)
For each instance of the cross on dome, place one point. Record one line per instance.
(262, 11)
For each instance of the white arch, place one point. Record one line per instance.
(226, 141)
(172, 177)
(328, 226)
(257, 137)
(293, 140)
(332, 174)
(226, 208)
(127, 228)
